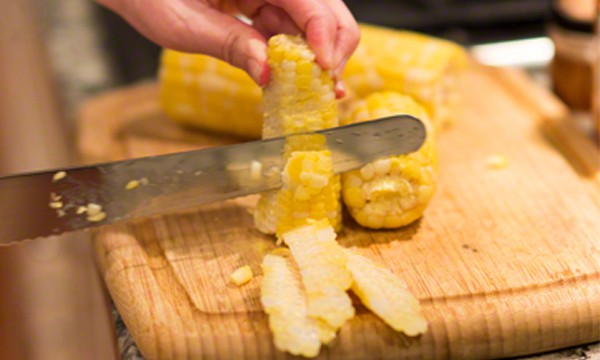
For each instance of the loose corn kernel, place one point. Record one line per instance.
(497, 161)
(242, 275)
(59, 176)
(132, 184)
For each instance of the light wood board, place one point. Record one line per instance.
(505, 262)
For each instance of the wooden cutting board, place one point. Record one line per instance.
(505, 262)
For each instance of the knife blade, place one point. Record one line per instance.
(51, 202)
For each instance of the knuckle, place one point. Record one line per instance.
(231, 45)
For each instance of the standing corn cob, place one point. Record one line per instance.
(322, 263)
(299, 98)
(310, 191)
(395, 191)
(208, 93)
(423, 67)
(386, 295)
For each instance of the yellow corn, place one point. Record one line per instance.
(421, 66)
(202, 91)
(386, 295)
(299, 98)
(322, 263)
(394, 191)
(310, 191)
(284, 300)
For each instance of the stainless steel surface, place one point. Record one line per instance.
(177, 182)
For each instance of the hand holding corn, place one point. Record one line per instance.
(208, 27)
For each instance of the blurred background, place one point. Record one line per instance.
(55, 54)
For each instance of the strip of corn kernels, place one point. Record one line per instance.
(386, 295)
(284, 300)
(299, 98)
(322, 263)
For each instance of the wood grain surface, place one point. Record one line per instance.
(505, 262)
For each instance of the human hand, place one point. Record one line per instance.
(208, 27)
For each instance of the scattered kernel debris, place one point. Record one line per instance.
(255, 170)
(59, 176)
(132, 184)
(95, 213)
(81, 210)
(242, 275)
(93, 209)
(61, 213)
(144, 181)
(497, 161)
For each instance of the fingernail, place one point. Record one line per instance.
(340, 89)
(258, 72)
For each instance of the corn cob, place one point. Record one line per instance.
(395, 191)
(310, 191)
(299, 98)
(325, 276)
(284, 300)
(208, 93)
(423, 67)
(386, 295)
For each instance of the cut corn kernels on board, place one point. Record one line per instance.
(386, 295)
(304, 291)
(299, 98)
(322, 263)
(395, 191)
(208, 93)
(284, 300)
(426, 68)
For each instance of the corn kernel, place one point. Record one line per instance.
(242, 275)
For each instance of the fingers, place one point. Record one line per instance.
(270, 20)
(347, 35)
(192, 26)
(347, 39)
(317, 21)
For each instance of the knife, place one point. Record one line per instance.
(51, 202)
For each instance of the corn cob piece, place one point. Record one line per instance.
(299, 98)
(310, 191)
(284, 300)
(423, 67)
(395, 191)
(204, 92)
(322, 263)
(386, 295)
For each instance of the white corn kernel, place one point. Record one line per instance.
(59, 176)
(382, 166)
(96, 217)
(93, 209)
(132, 184)
(241, 275)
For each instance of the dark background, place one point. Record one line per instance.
(468, 22)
